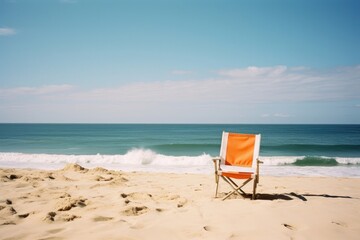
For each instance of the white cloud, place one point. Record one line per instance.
(274, 85)
(281, 83)
(229, 96)
(253, 71)
(249, 85)
(7, 31)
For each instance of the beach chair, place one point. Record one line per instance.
(239, 159)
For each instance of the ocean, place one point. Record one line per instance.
(286, 150)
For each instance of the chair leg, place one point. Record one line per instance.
(256, 180)
(217, 185)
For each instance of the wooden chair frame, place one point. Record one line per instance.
(247, 174)
(236, 189)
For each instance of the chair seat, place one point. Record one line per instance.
(237, 175)
(237, 172)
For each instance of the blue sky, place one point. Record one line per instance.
(169, 61)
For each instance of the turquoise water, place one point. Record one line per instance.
(174, 144)
(178, 140)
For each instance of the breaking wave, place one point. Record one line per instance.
(149, 160)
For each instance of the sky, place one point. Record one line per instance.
(172, 61)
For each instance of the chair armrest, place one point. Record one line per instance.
(216, 159)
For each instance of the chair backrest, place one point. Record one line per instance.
(240, 149)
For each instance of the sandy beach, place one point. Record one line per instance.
(79, 203)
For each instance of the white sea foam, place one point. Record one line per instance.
(348, 161)
(279, 160)
(135, 159)
(287, 160)
(147, 160)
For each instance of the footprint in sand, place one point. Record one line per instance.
(6, 211)
(182, 202)
(102, 219)
(31, 179)
(68, 217)
(288, 226)
(50, 217)
(55, 230)
(339, 223)
(123, 195)
(171, 197)
(118, 181)
(50, 176)
(136, 211)
(25, 215)
(234, 236)
(207, 228)
(8, 223)
(64, 195)
(7, 202)
(103, 179)
(137, 196)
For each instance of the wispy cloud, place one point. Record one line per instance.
(7, 31)
(248, 85)
(238, 91)
(253, 71)
(281, 83)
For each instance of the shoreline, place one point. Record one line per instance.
(75, 202)
(145, 160)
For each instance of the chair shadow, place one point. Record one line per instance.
(292, 196)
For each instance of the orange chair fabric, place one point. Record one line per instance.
(240, 150)
(237, 175)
